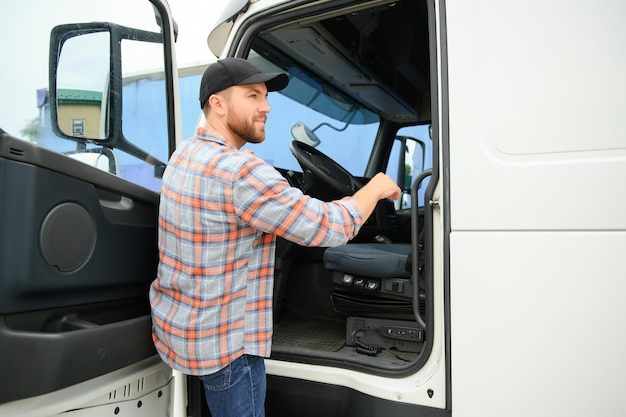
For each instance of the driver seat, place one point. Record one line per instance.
(371, 279)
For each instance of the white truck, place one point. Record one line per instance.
(493, 287)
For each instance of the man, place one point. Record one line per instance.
(220, 212)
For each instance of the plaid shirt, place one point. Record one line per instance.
(220, 212)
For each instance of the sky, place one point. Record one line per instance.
(195, 18)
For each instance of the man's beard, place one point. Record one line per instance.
(244, 128)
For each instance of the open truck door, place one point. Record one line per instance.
(79, 196)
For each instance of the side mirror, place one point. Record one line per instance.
(85, 90)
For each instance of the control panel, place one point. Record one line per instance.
(405, 336)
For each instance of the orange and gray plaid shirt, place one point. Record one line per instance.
(220, 212)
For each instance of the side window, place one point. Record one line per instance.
(144, 114)
(411, 154)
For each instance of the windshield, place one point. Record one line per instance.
(346, 130)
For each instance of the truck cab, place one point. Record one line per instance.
(480, 291)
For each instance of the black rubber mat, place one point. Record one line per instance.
(317, 335)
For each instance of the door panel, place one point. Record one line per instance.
(78, 252)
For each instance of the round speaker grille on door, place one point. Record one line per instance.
(68, 236)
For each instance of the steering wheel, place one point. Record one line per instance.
(324, 168)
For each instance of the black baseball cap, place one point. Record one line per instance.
(237, 71)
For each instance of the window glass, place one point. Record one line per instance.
(346, 131)
(144, 111)
(350, 147)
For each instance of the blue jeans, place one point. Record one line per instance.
(238, 390)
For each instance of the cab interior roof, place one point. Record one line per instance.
(379, 56)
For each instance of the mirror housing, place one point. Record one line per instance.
(302, 133)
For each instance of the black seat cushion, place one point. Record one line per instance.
(369, 259)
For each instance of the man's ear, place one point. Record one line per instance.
(217, 103)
